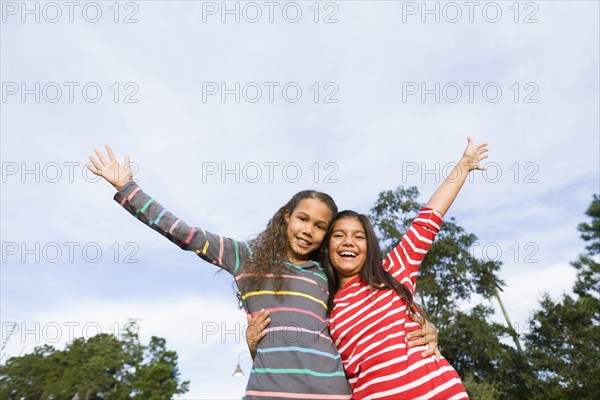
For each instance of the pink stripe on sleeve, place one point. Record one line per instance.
(220, 250)
(128, 198)
(173, 226)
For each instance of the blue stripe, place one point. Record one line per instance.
(249, 249)
(300, 349)
(157, 220)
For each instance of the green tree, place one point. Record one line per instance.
(158, 379)
(564, 342)
(101, 367)
(449, 273)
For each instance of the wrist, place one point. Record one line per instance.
(121, 185)
(465, 164)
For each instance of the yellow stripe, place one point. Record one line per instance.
(205, 247)
(284, 292)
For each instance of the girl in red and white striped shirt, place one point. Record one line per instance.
(373, 299)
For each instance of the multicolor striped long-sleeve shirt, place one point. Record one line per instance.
(297, 358)
(370, 330)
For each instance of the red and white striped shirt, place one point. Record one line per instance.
(370, 330)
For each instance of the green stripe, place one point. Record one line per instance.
(143, 210)
(295, 371)
(237, 258)
(299, 268)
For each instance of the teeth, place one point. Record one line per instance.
(303, 241)
(348, 253)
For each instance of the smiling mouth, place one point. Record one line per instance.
(303, 242)
(349, 255)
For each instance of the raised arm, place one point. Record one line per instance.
(444, 196)
(221, 251)
(404, 260)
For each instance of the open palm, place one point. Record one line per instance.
(473, 155)
(116, 174)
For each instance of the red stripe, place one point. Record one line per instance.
(187, 241)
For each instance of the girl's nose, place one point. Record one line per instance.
(307, 230)
(348, 241)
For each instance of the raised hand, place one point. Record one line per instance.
(473, 155)
(443, 197)
(116, 174)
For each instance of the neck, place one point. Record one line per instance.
(344, 280)
(295, 259)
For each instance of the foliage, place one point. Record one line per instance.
(100, 367)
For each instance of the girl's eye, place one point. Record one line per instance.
(321, 227)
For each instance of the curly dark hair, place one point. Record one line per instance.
(372, 272)
(270, 248)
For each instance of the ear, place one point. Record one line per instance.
(286, 217)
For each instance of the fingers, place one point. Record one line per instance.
(422, 337)
(126, 163)
(256, 325)
(111, 155)
(260, 318)
(432, 351)
(100, 156)
(261, 335)
(427, 335)
(95, 171)
(427, 330)
(416, 318)
(429, 352)
(430, 326)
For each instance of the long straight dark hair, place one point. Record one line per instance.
(372, 271)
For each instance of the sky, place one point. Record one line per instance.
(229, 108)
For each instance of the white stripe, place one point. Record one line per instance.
(358, 335)
(377, 296)
(392, 361)
(375, 311)
(352, 293)
(399, 374)
(421, 238)
(416, 383)
(373, 346)
(445, 386)
(364, 372)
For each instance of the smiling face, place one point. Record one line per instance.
(306, 228)
(347, 248)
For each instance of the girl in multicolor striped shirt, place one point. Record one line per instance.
(373, 300)
(275, 271)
